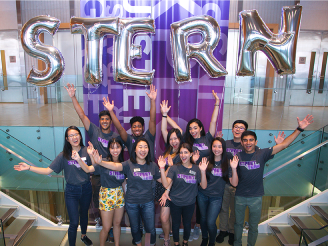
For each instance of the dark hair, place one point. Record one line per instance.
(169, 148)
(137, 119)
(103, 113)
(240, 122)
(189, 139)
(133, 157)
(248, 133)
(67, 150)
(224, 159)
(111, 143)
(189, 148)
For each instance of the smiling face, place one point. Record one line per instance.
(237, 130)
(217, 148)
(141, 150)
(185, 155)
(195, 130)
(137, 129)
(115, 150)
(174, 142)
(249, 143)
(73, 137)
(104, 122)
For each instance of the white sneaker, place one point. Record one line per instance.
(196, 232)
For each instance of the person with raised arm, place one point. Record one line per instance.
(111, 195)
(99, 137)
(250, 190)
(140, 172)
(78, 190)
(221, 169)
(137, 124)
(184, 178)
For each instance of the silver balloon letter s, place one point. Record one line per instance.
(202, 52)
(94, 30)
(125, 51)
(279, 48)
(50, 55)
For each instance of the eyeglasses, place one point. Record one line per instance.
(239, 128)
(74, 135)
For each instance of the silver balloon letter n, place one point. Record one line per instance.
(279, 48)
(202, 52)
(50, 55)
(94, 30)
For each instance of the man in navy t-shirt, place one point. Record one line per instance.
(249, 190)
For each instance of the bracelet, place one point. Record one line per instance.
(164, 116)
(216, 105)
(162, 168)
(29, 167)
(300, 129)
(168, 189)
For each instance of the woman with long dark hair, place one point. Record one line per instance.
(185, 177)
(111, 195)
(220, 170)
(139, 201)
(78, 191)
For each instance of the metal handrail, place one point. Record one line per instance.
(295, 158)
(28, 162)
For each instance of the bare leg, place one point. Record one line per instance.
(107, 221)
(165, 219)
(118, 215)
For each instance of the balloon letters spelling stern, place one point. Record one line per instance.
(279, 48)
(50, 55)
(202, 52)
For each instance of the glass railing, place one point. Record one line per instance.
(296, 173)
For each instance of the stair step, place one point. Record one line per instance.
(307, 221)
(18, 227)
(321, 209)
(6, 212)
(285, 234)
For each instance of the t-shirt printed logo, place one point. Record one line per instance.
(133, 141)
(143, 175)
(75, 163)
(234, 151)
(104, 142)
(200, 146)
(187, 178)
(250, 165)
(217, 172)
(192, 172)
(116, 174)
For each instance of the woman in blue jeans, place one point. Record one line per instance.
(139, 200)
(210, 199)
(78, 191)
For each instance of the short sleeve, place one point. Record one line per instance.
(209, 136)
(171, 172)
(267, 154)
(157, 174)
(198, 175)
(125, 168)
(97, 169)
(92, 129)
(57, 164)
(150, 136)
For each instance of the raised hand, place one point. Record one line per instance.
(75, 155)
(71, 90)
(153, 93)
(109, 106)
(234, 162)
(163, 199)
(217, 100)
(90, 149)
(280, 138)
(164, 107)
(305, 122)
(96, 157)
(161, 162)
(22, 166)
(169, 161)
(203, 164)
(195, 156)
(219, 134)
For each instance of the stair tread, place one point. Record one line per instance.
(17, 224)
(321, 209)
(285, 234)
(6, 212)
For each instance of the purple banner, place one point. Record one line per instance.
(188, 100)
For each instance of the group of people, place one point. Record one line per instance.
(197, 169)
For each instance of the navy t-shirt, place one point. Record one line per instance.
(151, 140)
(215, 182)
(250, 172)
(73, 172)
(100, 140)
(139, 181)
(185, 184)
(109, 178)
